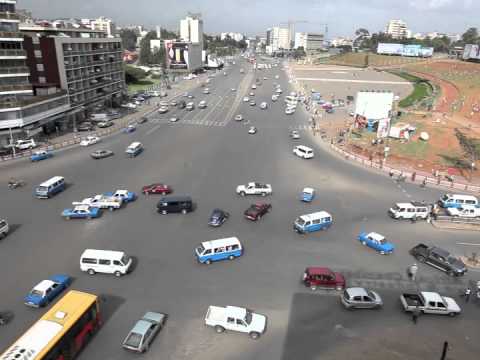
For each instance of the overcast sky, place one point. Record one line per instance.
(255, 16)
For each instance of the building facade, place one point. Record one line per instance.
(105, 25)
(314, 42)
(397, 29)
(300, 40)
(191, 29)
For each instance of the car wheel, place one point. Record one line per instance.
(219, 329)
(452, 314)
(164, 212)
(89, 217)
(254, 335)
(450, 273)
(382, 252)
(184, 211)
(117, 273)
(231, 257)
(364, 243)
(208, 262)
(164, 193)
(421, 258)
(67, 217)
(111, 208)
(264, 194)
(242, 193)
(91, 272)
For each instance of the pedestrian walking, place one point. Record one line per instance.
(467, 293)
(412, 271)
(414, 175)
(415, 313)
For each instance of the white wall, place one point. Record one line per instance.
(374, 105)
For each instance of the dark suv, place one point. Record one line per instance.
(322, 277)
(175, 204)
(440, 259)
(256, 211)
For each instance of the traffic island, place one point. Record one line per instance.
(457, 224)
(471, 261)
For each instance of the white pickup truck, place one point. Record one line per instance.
(430, 303)
(101, 201)
(236, 319)
(469, 211)
(254, 188)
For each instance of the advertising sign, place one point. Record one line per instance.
(411, 50)
(390, 49)
(177, 55)
(471, 52)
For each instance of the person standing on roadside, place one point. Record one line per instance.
(467, 293)
(412, 271)
(415, 313)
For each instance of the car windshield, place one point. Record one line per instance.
(200, 249)
(248, 317)
(396, 208)
(382, 241)
(134, 340)
(36, 292)
(42, 189)
(371, 295)
(445, 197)
(451, 259)
(125, 259)
(300, 221)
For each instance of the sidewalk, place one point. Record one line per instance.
(70, 139)
(415, 177)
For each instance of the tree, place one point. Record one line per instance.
(134, 74)
(362, 32)
(146, 56)
(167, 35)
(470, 36)
(470, 147)
(129, 39)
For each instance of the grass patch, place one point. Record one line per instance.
(422, 89)
(412, 149)
(142, 85)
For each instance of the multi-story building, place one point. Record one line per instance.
(23, 109)
(397, 29)
(191, 29)
(104, 24)
(85, 63)
(300, 40)
(280, 38)
(314, 42)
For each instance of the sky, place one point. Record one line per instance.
(253, 17)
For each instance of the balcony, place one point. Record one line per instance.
(13, 53)
(16, 87)
(14, 70)
(34, 99)
(11, 35)
(9, 15)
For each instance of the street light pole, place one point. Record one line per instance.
(11, 141)
(444, 351)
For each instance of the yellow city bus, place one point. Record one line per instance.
(62, 332)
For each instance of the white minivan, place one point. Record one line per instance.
(105, 261)
(303, 151)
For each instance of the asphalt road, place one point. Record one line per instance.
(206, 155)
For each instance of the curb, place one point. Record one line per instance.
(455, 225)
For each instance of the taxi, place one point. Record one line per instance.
(377, 242)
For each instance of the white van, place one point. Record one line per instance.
(216, 250)
(134, 149)
(190, 106)
(303, 151)
(412, 210)
(105, 261)
(457, 200)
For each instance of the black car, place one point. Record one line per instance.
(142, 120)
(218, 217)
(175, 204)
(182, 104)
(86, 126)
(440, 259)
(100, 154)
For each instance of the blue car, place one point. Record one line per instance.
(307, 194)
(376, 242)
(41, 155)
(129, 129)
(47, 290)
(81, 212)
(125, 195)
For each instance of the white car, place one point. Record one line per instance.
(252, 130)
(470, 211)
(202, 104)
(246, 99)
(25, 144)
(163, 110)
(206, 91)
(254, 86)
(238, 117)
(233, 89)
(254, 188)
(290, 110)
(130, 106)
(252, 94)
(89, 140)
(278, 91)
(276, 76)
(101, 202)
(295, 135)
(174, 119)
(236, 319)
(303, 151)
(274, 97)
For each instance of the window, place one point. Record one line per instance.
(231, 320)
(37, 53)
(235, 247)
(89, 261)
(207, 252)
(316, 221)
(441, 305)
(116, 262)
(42, 79)
(240, 322)
(40, 67)
(357, 298)
(104, 262)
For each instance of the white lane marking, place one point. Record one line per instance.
(468, 244)
(356, 81)
(153, 129)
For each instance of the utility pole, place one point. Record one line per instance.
(444, 351)
(11, 141)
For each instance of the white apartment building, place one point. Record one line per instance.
(300, 40)
(279, 38)
(104, 24)
(191, 29)
(397, 29)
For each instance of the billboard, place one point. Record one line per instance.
(471, 52)
(177, 55)
(412, 50)
(390, 49)
(374, 105)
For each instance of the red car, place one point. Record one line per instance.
(256, 211)
(322, 277)
(157, 189)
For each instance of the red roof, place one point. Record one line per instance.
(315, 270)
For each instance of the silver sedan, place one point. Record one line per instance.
(360, 298)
